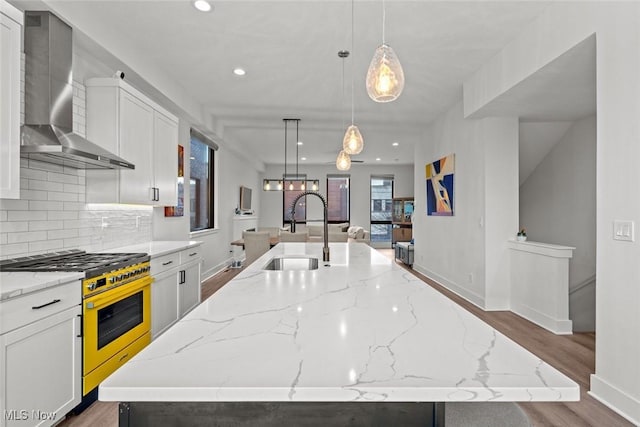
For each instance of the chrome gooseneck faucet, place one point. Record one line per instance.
(325, 249)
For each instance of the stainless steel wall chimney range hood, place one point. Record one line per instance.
(47, 134)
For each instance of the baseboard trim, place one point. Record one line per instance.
(614, 398)
(460, 291)
(557, 326)
(206, 275)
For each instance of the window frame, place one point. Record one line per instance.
(212, 189)
(388, 208)
(348, 178)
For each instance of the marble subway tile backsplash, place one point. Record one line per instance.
(52, 215)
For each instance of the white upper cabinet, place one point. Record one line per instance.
(165, 163)
(10, 48)
(124, 121)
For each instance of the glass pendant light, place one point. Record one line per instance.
(343, 162)
(352, 143)
(385, 78)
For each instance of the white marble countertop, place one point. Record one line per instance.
(361, 330)
(158, 247)
(14, 284)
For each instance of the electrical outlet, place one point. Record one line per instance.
(470, 277)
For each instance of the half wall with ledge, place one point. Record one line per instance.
(540, 284)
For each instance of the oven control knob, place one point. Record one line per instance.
(112, 279)
(91, 286)
(126, 275)
(120, 276)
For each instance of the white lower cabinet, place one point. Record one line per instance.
(40, 366)
(164, 303)
(176, 289)
(189, 288)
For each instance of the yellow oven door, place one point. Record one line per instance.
(114, 319)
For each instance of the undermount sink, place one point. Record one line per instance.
(292, 262)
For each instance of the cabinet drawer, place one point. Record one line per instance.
(190, 254)
(165, 262)
(29, 308)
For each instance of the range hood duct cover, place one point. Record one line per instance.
(47, 132)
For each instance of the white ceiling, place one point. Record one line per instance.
(289, 49)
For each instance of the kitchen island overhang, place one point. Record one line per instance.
(359, 330)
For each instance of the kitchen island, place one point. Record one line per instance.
(360, 333)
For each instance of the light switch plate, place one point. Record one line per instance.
(623, 230)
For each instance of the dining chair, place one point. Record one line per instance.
(256, 243)
(287, 236)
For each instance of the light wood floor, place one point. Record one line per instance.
(573, 355)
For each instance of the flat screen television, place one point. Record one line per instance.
(245, 198)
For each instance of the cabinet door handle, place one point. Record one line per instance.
(158, 196)
(183, 277)
(44, 305)
(167, 263)
(81, 327)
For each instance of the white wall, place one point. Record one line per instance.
(270, 212)
(558, 205)
(615, 24)
(468, 252)
(233, 172)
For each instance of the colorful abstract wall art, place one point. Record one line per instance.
(439, 176)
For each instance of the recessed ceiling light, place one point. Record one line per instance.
(395, 144)
(303, 158)
(300, 142)
(202, 5)
(378, 159)
(239, 72)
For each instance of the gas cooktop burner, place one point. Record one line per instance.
(92, 264)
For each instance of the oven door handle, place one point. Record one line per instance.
(118, 293)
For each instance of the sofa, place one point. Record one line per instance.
(337, 232)
(274, 231)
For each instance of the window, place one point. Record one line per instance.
(338, 200)
(201, 184)
(288, 198)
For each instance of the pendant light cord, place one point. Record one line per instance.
(343, 106)
(285, 150)
(384, 19)
(352, 61)
(297, 145)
